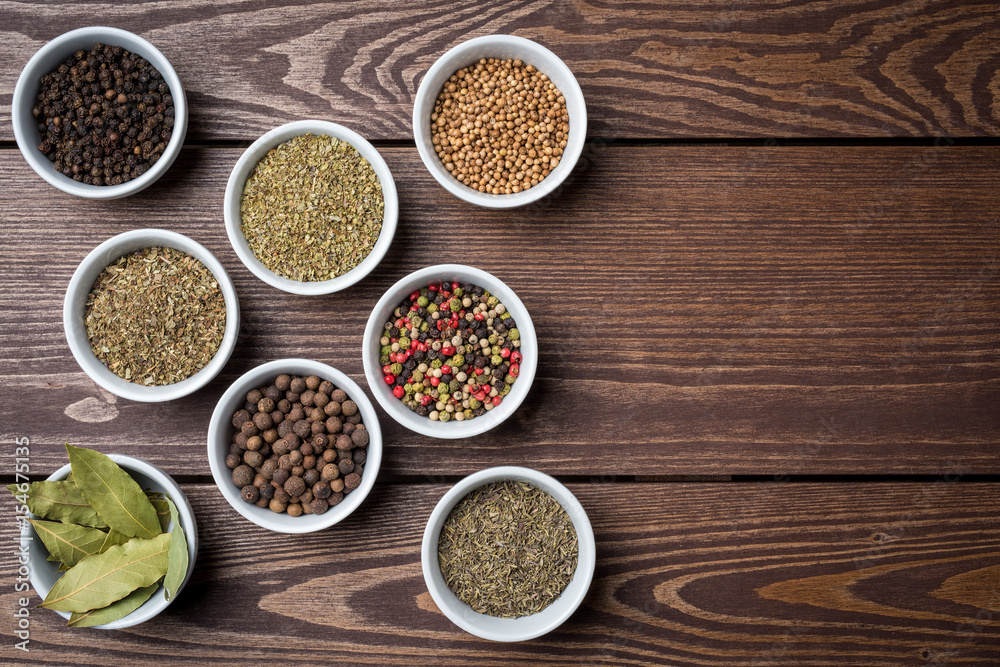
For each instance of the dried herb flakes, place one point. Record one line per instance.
(508, 549)
(312, 208)
(156, 317)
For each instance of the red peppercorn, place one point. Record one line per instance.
(454, 286)
(515, 370)
(516, 358)
(478, 317)
(386, 370)
(479, 371)
(505, 353)
(497, 400)
(390, 378)
(398, 392)
(426, 400)
(414, 295)
(435, 381)
(447, 351)
(445, 369)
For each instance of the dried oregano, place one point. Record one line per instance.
(508, 549)
(156, 317)
(312, 208)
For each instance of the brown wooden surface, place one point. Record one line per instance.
(705, 310)
(825, 314)
(763, 68)
(687, 574)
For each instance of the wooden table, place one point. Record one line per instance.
(768, 304)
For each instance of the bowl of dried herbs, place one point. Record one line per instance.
(151, 315)
(508, 554)
(311, 207)
(108, 541)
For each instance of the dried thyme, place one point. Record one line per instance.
(312, 208)
(155, 317)
(508, 549)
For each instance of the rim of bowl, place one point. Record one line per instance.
(451, 429)
(218, 443)
(248, 161)
(526, 627)
(157, 602)
(83, 281)
(499, 46)
(27, 87)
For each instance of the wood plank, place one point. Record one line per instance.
(765, 68)
(687, 574)
(702, 310)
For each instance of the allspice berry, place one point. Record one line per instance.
(243, 475)
(250, 493)
(319, 506)
(360, 437)
(295, 486)
(294, 442)
(352, 481)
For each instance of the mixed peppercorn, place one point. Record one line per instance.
(105, 116)
(450, 351)
(299, 446)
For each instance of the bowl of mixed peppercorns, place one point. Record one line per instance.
(294, 445)
(99, 113)
(499, 121)
(450, 351)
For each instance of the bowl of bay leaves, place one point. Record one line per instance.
(108, 541)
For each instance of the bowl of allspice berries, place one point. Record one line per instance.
(499, 121)
(294, 445)
(99, 113)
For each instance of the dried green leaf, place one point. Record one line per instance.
(112, 492)
(70, 544)
(162, 509)
(97, 581)
(113, 611)
(178, 565)
(59, 501)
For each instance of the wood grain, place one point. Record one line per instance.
(764, 68)
(700, 310)
(687, 574)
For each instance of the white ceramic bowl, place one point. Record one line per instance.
(509, 629)
(74, 310)
(370, 351)
(253, 155)
(220, 431)
(499, 46)
(48, 58)
(44, 573)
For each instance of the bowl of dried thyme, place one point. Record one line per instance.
(311, 207)
(508, 554)
(99, 113)
(151, 315)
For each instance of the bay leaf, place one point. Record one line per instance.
(178, 556)
(113, 611)
(70, 544)
(113, 494)
(161, 507)
(99, 580)
(60, 501)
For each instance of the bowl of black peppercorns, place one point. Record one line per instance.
(99, 113)
(294, 445)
